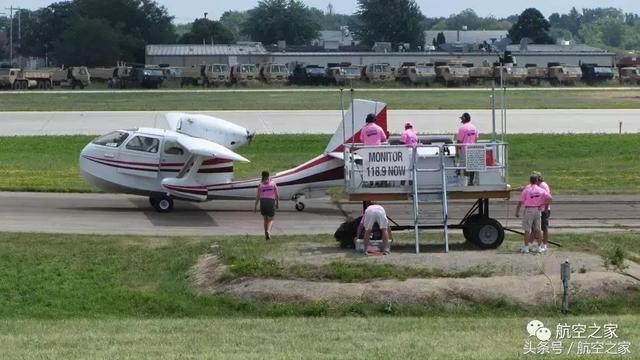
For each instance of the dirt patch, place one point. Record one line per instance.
(204, 276)
(516, 278)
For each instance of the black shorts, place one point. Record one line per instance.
(268, 207)
(545, 219)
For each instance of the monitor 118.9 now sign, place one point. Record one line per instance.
(386, 164)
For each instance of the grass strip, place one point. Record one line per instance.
(297, 338)
(90, 276)
(579, 164)
(300, 100)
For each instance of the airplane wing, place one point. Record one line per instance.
(207, 148)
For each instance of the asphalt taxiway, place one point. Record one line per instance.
(132, 215)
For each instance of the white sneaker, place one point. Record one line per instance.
(534, 248)
(542, 248)
(524, 249)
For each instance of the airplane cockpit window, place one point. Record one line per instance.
(112, 139)
(172, 148)
(143, 143)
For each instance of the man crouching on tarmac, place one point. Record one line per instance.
(375, 214)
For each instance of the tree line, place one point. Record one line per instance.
(100, 32)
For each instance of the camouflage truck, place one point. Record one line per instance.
(343, 73)
(75, 76)
(629, 75)
(244, 74)
(216, 74)
(536, 74)
(102, 74)
(518, 75)
(452, 72)
(481, 74)
(125, 76)
(12, 79)
(274, 73)
(595, 74)
(564, 74)
(191, 75)
(416, 73)
(378, 73)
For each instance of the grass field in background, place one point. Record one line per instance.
(295, 338)
(571, 163)
(56, 277)
(329, 100)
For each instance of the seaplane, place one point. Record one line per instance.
(193, 160)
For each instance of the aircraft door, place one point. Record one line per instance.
(140, 156)
(172, 158)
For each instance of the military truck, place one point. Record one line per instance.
(343, 73)
(481, 74)
(136, 76)
(452, 72)
(75, 76)
(517, 75)
(19, 79)
(378, 73)
(629, 75)
(563, 74)
(274, 73)
(594, 73)
(101, 74)
(244, 74)
(191, 75)
(216, 74)
(536, 74)
(416, 73)
(304, 74)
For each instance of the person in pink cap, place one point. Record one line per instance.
(372, 134)
(409, 137)
(467, 134)
(533, 198)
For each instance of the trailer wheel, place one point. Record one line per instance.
(488, 233)
(469, 224)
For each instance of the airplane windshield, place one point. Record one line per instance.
(112, 139)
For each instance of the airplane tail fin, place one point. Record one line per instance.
(354, 119)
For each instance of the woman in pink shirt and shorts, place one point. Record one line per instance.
(267, 196)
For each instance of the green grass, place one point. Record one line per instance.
(325, 100)
(90, 276)
(294, 338)
(571, 163)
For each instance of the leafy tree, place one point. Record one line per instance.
(570, 22)
(90, 42)
(395, 21)
(533, 25)
(234, 22)
(274, 20)
(205, 30)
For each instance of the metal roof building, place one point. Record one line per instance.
(254, 53)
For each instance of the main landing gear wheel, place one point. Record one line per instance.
(487, 233)
(162, 204)
(300, 206)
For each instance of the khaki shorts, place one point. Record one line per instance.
(531, 219)
(375, 216)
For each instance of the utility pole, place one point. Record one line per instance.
(11, 9)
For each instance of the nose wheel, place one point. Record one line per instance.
(300, 206)
(162, 204)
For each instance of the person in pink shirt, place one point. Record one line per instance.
(467, 134)
(268, 197)
(372, 134)
(408, 136)
(533, 198)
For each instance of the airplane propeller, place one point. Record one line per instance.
(250, 136)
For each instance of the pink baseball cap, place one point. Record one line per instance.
(408, 125)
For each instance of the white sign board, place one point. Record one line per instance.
(476, 158)
(386, 164)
